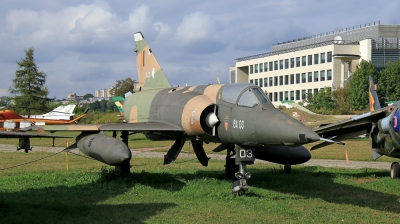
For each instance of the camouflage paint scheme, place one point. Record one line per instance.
(236, 115)
(380, 124)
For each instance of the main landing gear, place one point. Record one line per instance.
(125, 167)
(235, 168)
(395, 170)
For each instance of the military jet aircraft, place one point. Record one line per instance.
(239, 116)
(24, 138)
(10, 120)
(382, 125)
(60, 113)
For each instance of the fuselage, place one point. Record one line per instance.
(245, 114)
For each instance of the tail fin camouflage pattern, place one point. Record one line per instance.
(373, 96)
(150, 74)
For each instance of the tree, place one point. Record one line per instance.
(5, 101)
(321, 100)
(30, 94)
(359, 86)
(389, 81)
(123, 86)
(87, 96)
(341, 98)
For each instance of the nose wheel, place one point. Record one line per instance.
(235, 168)
(239, 186)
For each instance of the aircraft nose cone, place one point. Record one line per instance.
(307, 135)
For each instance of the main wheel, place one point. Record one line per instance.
(231, 168)
(395, 170)
(124, 167)
(287, 169)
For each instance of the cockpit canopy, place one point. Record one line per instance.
(245, 95)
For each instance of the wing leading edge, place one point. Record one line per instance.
(348, 128)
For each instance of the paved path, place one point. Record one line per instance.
(149, 153)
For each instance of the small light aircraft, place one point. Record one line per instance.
(59, 113)
(11, 121)
(382, 125)
(239, 117)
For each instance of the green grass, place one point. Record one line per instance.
(186, 192)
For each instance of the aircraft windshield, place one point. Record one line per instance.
(231, 92)
(261, 96)
(247, 99)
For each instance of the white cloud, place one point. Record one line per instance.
(194, 27)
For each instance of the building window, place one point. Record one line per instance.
(271, 82)
(291, 95)
(266, 67)
(292, 79)
(298, 78)
(286, 63)
(303, 61)
(251, 69)
(270, 96)
(315, 91)
(276, 65)
(322, 58)
(322, 73)
(286, 95)
(329, 58)
(292, 62)
(281, 80)
(275, 96)
(261, 82)
(265, 82)
(309, 91)
(315, 59)
(310, 59)
(280, 96)
(297, 94)
(329, 74)
(261, 67)
(270, 66)
(286, 79)
(310, 77)
(297, 61)
(256, 82)
(303, 78)
(303, 94)
(256, 68)
(280, 64)
(276, 81)
(251, 81)
(316, 76)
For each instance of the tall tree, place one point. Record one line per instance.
(359, 85)
(123, 86)
(389, 81)
(29, 90)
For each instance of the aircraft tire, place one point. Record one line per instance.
(231, 168)
(395, 170)
(123, 168)
(287, 169)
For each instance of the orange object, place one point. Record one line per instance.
(347, 158)
(9, 115)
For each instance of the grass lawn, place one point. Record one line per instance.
(186, 192)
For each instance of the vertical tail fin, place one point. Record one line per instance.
(373, 96)
(150, 74)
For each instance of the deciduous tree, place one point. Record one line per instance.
(359, 85)
(389, 81)
(123, 86)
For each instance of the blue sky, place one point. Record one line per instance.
(88, 44)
